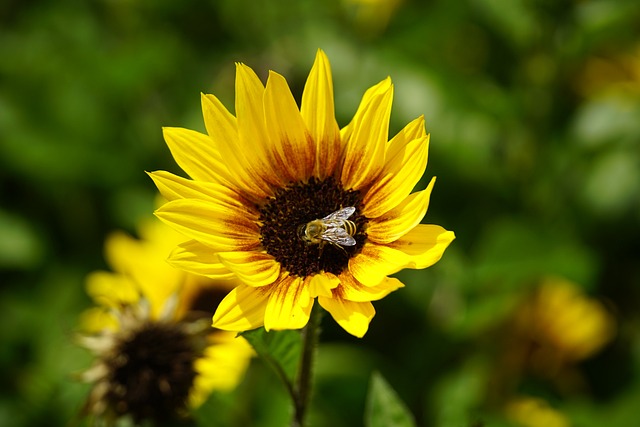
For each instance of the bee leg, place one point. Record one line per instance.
(344, 251)
(320, 249)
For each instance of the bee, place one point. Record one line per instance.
(334, 228)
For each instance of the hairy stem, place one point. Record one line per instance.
(302, 389)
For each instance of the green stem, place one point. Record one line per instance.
(282, 375)
(302, 390)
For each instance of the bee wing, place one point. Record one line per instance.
(340, 215)
(338, 235)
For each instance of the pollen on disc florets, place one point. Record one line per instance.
(295, 205)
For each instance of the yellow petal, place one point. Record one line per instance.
(412, 131)
(289, 305)
(404, 217)
(318, 112)
(420, 248)
(399, 176)
(293, 148)
(97, 319)
(196, 154)
(122, 251)
(352, 290)
(322, 284)
(221, 368)
(197, 258)
(110, 289)
(175, 187)
(143, 261)
(254, 141)
(365, 148)
(354, 317)
(526, 411)
(157, 237)
(568, 319)
(221, 125)
(242, 309)
(222, 227)
(375, 262)
(424, 245)
(222, 128)
(253, 268)
(347, 131)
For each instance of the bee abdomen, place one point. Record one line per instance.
(349, 227)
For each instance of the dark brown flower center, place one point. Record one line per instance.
(151, 372)
(203, 303)
(285, 216)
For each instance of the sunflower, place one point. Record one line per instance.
(156, 355)
(561, 324)
(297, 208)
(527, 411)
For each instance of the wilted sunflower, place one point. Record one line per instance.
(156, 353)
(297, 208)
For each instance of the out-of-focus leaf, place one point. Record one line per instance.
(600, 15)
(613, 184)
(341, 373)
(280, 349)
(513, 252)
(458, 393)
(615, 413)
(514, 19)
(606, 121)
(384, 407)
(20, 246)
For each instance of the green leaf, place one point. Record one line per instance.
(21, 246)
(459, 392)
(280, 349)
(384, 407)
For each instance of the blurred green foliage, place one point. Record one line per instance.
(533, 108)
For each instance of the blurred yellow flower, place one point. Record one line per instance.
(611, 75)
(532, 412)
(372, 16)
(297, 208)
(156, 353)
(565, 324)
